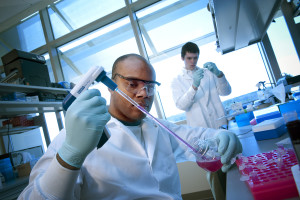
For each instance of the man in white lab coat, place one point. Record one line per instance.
(197, 91)
(139, 159)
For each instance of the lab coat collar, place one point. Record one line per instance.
(150, 131)
(150, 134)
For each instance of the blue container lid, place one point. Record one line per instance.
(266, 116)
(290, 106)
(245, 116)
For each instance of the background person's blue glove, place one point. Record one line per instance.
(229, 147)
(85, 121)
(197, 76)
(213, 68)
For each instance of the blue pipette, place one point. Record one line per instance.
(98, 74)
(94, 74)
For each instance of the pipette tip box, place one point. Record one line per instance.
(244, 119)
(274, 181)
(272, 128)
(267, 116)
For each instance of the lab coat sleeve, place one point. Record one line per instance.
(58, 181)
(183, 99)
(223, 86)
(49, 180)
(181, 152)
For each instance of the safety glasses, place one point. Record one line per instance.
(135, 86)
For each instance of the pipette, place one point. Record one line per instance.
(98, 74)
(153, 118)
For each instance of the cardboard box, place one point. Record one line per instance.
(23, 169)
(33, 73)
(17, 54)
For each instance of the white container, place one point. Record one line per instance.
(270, 124)
(268, 129)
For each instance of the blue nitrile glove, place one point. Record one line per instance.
(197, 76)
(213, 68)
(85, 121)
(229, 147)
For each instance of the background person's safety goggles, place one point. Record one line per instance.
(135, 86)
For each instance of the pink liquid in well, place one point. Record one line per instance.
(210, 165)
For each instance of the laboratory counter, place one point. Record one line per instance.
(235, 188)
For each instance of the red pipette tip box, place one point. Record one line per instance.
(271, 181)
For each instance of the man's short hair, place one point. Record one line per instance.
(124, 57)
(189, 47)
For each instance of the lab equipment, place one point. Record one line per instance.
(284, 81)
(244, 119)
(279, 92)
(261, 84)
(296, 96)
(213, 68)
(98, 74)
(154, 119)
(271, 112)
(268, 175)
(95, 73)
(272, 128)
(197, 76)
(207, 156)
(290, 106)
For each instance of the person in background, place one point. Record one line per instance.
(197, 91)
(138, 161)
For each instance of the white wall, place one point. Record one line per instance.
(192, 178)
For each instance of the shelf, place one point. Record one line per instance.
(5, 87)
(14, 108)
(16, 130)
(13, 188)
(8, 108)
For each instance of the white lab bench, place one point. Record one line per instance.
(235, 188)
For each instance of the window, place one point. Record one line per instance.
(101, 47)
(26, 36)
(67, 16)
(48, 63)
(169, 25)
(243, 69)
(283, 47)
(166, 28)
